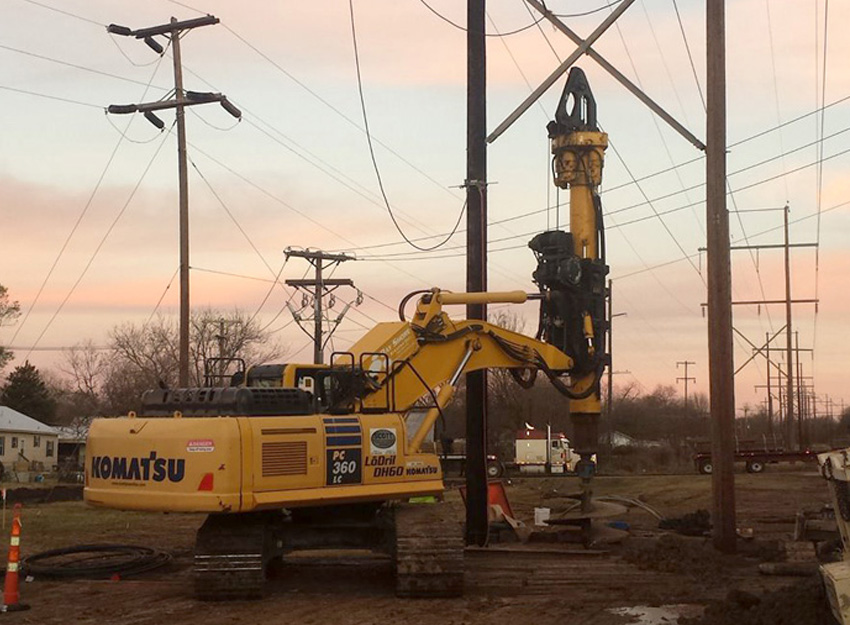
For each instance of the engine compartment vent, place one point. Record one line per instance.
(284, 458)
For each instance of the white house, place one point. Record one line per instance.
(25, 440)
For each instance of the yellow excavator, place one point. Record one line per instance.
(310, 456)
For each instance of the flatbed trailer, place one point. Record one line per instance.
(755, 460)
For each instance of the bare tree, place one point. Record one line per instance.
(9, 312)
(141, 357)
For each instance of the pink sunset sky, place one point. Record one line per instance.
(296, 171)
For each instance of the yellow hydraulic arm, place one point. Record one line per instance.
(414, 358)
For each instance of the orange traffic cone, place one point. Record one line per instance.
(11, 591)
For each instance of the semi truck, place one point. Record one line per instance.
(536, 452)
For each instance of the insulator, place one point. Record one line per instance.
(228, 106)
(117, 29)
(156, 121)
(202, 96)
(120, 109)
(153, 44)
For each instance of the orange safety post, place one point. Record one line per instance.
(11, 588)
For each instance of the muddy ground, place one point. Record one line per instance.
(543, 582)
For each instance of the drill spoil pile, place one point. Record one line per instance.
(803, 603)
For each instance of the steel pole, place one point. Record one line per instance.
(476, 269)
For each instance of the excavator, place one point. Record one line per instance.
(305, 456)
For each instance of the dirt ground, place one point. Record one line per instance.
(507, 583)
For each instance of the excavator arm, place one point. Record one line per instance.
(405, 361)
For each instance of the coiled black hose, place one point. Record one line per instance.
(94, 561)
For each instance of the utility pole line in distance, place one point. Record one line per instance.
(686, 378)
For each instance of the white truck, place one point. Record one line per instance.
(543, 452)
(536, 452)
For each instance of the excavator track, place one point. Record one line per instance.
(231, 555)
(429, 547)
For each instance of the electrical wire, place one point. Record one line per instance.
(589, 12)
(334, 109)
(52, 97)
(690, 56)
(81, 215)
(213, 126)
(271, 289)
(655, 211)
(372, 149)
(123, 133)
(83, 68)
(232, 217)
(161, 297)
(819, 196)
(466, 30)
(126, 56)
(100, 244)
(68, 13)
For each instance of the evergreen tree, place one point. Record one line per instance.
(26, 392)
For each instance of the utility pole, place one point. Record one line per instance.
(610, 402)
(317, 289)
(174, 31)
(801, 432)
(789, 392)
(686, 378)
(769, 392)
(721, 361)
(476, 267)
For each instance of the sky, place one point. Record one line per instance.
(89, 200)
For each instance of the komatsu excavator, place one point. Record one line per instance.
(309, 456)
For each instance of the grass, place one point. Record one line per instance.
(50, 526)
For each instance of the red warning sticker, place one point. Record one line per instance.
(200, 445)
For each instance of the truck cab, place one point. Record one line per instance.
(535, 449)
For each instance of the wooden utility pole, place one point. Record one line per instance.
(318, 288)
(686, 378)
(183, 174)
(174, 30)
(721, 362)
(476, 268)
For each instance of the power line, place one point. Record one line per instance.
(331, 106)
(464, 29)
(52, 97)
(372, 149)
(637, 220)
(80, 217)
(162, 297)
(690, 56)
(68, 13)
(232, 217)
(338, 176)
(655, 211)
(102, 241)
(84, 68)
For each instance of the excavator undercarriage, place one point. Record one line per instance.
(236, 553)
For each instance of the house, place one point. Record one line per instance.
(27, 441)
